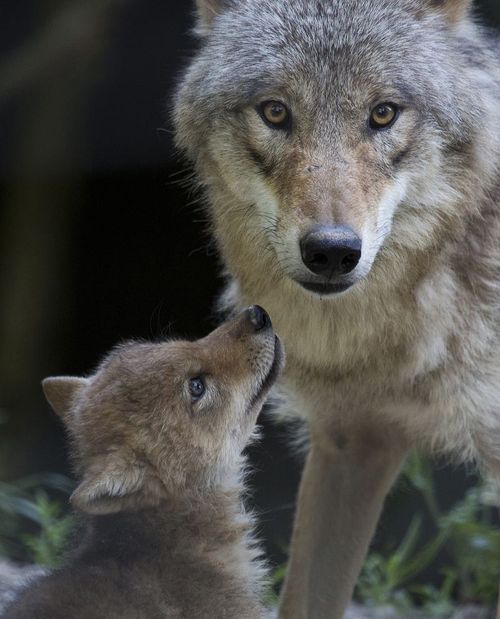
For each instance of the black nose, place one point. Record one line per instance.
(259, 318)
(331, 250)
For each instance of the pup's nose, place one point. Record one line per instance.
(259, 318)
(331, 250)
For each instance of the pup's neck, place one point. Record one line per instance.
(207, 535)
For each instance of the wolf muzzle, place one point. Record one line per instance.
(331, 251)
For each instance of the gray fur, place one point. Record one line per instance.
(410, 355)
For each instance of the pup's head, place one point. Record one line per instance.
(167, 420)
(319, 128)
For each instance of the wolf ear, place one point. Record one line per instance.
(115, 482)
(62, 391)
(454, 10)
(207, 11)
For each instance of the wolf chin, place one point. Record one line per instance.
(349, 153)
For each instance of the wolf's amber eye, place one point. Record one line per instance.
(383, 116)
(275, 114)
(197, 387)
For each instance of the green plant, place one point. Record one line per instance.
(33, 525)
(475, 548)
(465, 535)
(277, 579)
(465, 539)
(383, 579)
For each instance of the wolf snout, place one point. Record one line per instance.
(330, 250)
(258, 317)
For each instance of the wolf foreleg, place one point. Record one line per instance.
(340, 501)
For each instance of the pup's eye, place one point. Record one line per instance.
(276, 114)
(197, 387)
(383, 116)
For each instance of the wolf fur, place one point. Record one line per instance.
(163, 531)
(409, 356)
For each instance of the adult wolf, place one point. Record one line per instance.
(350, 155)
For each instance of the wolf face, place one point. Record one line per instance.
(329, 133)
(167, 420)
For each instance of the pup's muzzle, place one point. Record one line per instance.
(259, 318)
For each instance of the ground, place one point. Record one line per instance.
(13, 577)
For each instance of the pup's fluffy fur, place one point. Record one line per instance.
(165, 533)
(409, 355)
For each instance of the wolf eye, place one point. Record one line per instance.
(275, 114)
(383, 116)
(197, 387)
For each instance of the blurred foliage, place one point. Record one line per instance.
(277, 579)
(34, 526)
(467, 537)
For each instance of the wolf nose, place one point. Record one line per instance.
(331, 250)
(259, 318)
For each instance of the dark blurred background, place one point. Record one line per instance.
(100, 239)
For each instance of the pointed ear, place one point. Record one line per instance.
(109, 485)
(62, 391)
(454, 10)
(207, 11)
(115, 482)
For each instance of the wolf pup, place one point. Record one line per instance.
(350, 152)
(157, 434)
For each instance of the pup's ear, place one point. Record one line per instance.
(116, 482)
(207, 11)
(454, 10)
(62, 391)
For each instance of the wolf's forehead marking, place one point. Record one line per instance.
(288, 49)
(327, 21)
